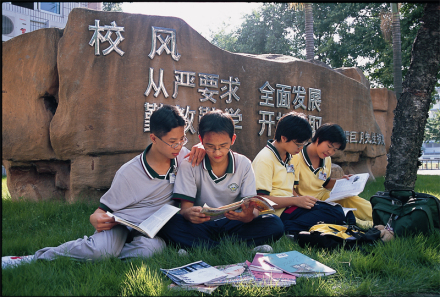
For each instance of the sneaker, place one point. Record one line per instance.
(182, 253)
(263, 249)
(9, 261)
(291, 237)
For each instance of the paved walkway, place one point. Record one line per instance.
(428, 172)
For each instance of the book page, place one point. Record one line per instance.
(155, 222)
(263, 205)
(348, 187)
(126, 223)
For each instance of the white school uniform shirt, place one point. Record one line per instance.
(200, 185)
(137, 191)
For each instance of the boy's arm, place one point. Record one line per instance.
(101, 221)
(331, 182)
(192, 213)
(196, 155)
(306, 202)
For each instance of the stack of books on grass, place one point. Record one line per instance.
(275, 270)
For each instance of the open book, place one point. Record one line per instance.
(344, 188)
(263, 205)
(154, 223)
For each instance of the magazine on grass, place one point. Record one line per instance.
(258, 264)
(237, 274)
(154, 223)
(195, 273)
(300, 265)
(273, 279)
(344, 188)
(263, 205)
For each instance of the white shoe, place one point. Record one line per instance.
(9, 261)
(182, 253)
(263, 249)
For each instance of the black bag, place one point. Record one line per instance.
(332, 236)
(406, 212)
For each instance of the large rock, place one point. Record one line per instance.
(105, 98)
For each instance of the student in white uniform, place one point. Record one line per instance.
(140, 187)
(222, 178)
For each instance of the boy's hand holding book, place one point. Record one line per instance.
(193, 214)
(101, 221)
(246, 214)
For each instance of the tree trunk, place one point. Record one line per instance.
(310, 51)
(397, 53)
(412, 109)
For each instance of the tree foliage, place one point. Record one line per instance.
(432, 129)
(345, 34)
(111, 6)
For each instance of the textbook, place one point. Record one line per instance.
(263, 205)
(297, 264)
(344, 188)
(154, 223)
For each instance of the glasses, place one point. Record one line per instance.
(300, 144)
(221, 149)
(177, 144)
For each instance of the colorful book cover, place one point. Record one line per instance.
(258, 264)
(297, 264)
(278, 279)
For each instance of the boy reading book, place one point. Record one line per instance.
(277, 172)
(140, 187)
(315, 164)
(222, 178)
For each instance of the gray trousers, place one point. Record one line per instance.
(110, 243)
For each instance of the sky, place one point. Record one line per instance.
(201, 16)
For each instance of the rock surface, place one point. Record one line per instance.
(71, 117)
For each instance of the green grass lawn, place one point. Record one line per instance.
(401, 267)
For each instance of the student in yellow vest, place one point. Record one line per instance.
(276, 173)
(315, 164)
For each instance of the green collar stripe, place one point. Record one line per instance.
(309, 163)
(230, 169)
(150, 171)
(273, 149)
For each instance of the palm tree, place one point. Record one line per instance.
(397, 53)
(390, 26)
(310, 46)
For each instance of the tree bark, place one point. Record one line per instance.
(412, 109)
(310, 46)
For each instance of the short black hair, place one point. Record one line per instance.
(216, 121)
(166, 118)
(331, 132)
(293, 126)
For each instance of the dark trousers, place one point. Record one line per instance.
(302, 219)
(260, 230)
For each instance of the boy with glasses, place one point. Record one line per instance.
(222, 178)
(277, 172)
(140, 187)
(315, 165)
